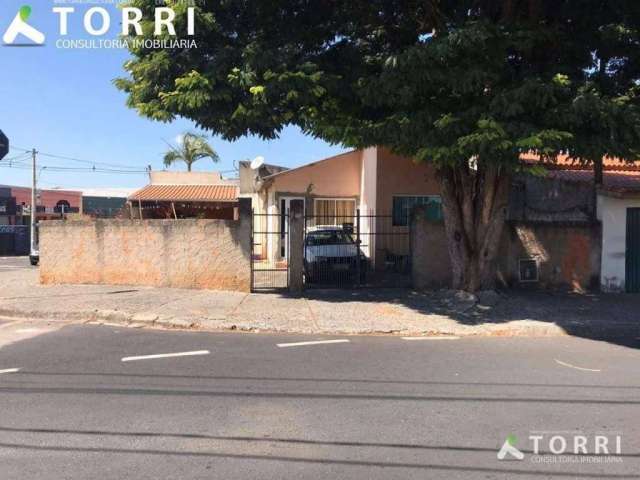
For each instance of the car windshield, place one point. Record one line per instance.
(329, 237)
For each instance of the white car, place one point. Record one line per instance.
(331, 251)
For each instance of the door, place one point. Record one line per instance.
(285, 205)
(632, 270)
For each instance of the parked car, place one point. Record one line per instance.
(330, 252)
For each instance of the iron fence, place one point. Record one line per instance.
(270, 249)
(363, 249)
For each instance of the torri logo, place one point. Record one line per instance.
(96, 22)
(20, 27)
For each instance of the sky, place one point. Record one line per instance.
(62, 102)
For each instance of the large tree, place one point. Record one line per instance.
(466, 85)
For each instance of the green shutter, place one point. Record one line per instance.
(632, 270)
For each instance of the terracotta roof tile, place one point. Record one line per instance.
(564, 162)
(187, 193)
(612, 181)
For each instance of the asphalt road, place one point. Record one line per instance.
(372, 407)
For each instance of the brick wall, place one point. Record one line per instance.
(190, 253)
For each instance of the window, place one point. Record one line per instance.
(404, 205)
(334, 211)
(528, 268)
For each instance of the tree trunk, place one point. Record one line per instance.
(474, 204)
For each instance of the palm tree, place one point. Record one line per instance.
(192, 148)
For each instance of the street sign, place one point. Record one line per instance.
(4, 145)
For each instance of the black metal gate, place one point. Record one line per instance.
(632, 254)
(270, 251)
(350, 250)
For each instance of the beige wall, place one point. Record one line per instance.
(399, 175)
(337, 176)
(186, 253)
(186, 178)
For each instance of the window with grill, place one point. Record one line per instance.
(334, 211)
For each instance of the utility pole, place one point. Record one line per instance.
(33, 203)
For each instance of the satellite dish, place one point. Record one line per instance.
(257, 162)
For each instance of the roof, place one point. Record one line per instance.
(618, 182)
(565, 162)
(187, 193)
(108, 192)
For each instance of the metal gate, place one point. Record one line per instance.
(356, 249)
(269, 256)
(632, 256)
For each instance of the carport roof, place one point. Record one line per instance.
(187, 193)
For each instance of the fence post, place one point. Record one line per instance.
(358, 258)
(296, 243)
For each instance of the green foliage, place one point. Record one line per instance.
(442, 81)
(191, 148)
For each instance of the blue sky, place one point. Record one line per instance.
(63, 102)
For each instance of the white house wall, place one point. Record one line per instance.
(368, 195)
(612, 212)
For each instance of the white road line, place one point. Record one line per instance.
(166, 355)
(318, 342)
(10, 370)
(451, 337)
(560, 362)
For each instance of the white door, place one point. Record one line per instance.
(285, 206)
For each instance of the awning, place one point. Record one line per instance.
(186, 193)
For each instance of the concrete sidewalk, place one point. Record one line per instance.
(352, 312)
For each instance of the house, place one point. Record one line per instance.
(563, 234)
(185, 195)
(373, 186)
(51, 203)
(558, 235)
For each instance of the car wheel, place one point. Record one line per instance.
(34, 260)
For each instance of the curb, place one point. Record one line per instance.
(153, 320)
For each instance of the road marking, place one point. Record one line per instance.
(560, 362)
(29, 330)
(451, 337)
(317, 342)
(166, 355)
(10, 370)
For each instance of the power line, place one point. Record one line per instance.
(55, 168)
(73, 159)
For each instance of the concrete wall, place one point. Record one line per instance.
(184, 178)
(430, 262)
(550, 199)
(568, 255)
(612, 212)
(186, 253)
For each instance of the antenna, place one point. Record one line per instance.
(257, 162)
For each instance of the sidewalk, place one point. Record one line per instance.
(349, 312)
